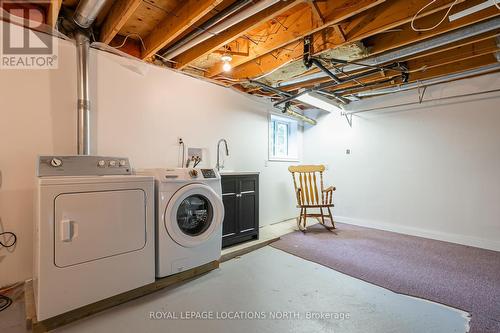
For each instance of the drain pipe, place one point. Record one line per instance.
(84, 16)
(82, 53)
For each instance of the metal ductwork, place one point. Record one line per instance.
(84, 16)
(215, 28)
(429, 82)
(203, 28)
(87, 11)
(410, 50)
(82, 53)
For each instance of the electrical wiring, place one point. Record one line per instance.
(438, 24)
(12, 240)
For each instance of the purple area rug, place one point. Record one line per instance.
(459, 276)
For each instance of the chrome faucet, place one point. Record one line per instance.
(218, 166)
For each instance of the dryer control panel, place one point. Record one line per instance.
(208, 173)
(82, 165)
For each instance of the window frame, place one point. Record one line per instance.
(292, 138)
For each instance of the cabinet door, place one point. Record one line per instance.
(230, 200)
(230, 224)
(249, 201)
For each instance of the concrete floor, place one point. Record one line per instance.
(264, 283)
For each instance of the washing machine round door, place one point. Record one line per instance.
(193, 214)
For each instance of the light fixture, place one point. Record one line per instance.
(472, 10)
(321, 102)
(226, 59)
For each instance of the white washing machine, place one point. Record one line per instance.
(94, 232)
(189, 214)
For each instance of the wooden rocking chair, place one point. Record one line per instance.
(310, 196)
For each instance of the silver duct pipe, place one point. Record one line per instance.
(87, 11)
(84, 16)
(231, 9)
(410, 50)
(217, 29)
(83, 129)
(430, 82)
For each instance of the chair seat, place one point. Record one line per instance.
(315, 206)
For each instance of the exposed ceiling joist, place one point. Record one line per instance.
(303, 23)
(390, 17)
(233, 32)
(118, 15)
(406, 35)
(186, 15)
(53, 13)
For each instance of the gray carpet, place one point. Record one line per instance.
(463, 277)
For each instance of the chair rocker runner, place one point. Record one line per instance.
(310, 196)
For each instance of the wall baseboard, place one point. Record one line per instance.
(432, 234)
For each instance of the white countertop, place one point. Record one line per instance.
(237, 173)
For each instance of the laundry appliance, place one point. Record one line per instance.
(189, 214)
(94, 231)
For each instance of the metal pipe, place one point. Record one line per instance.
(417, 84)
(87, 11)
(410, 50)
(231, 9)
(82, 52)
(325, 70)
(271, 89)
(428, 100)
(218, 28)
(326, 85)
(288, 111)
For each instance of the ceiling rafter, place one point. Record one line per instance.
(233, 33)
(405, 35)
(305, 23)
(186, 15)
(118, 15)
(53, 12)
(267, 63)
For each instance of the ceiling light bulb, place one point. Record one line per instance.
(226, 66)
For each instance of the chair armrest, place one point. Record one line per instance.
(327, 196)
(329, 189)
(298, 193)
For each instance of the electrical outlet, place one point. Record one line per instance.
(348, 152)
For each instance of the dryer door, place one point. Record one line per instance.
(90, 226)
(193, 214)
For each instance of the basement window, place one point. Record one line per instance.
(282, 139)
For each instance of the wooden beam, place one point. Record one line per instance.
(406, 35)
(53, 14)
(390, 17)
(233, 32)
(304, 23)
(118, 15)
(316, 12)
(188, 13)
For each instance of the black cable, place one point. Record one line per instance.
(5, 302)
(13, 235)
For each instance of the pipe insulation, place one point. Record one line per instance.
(83, 126)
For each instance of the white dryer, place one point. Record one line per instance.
(189, 214)
(94, 232)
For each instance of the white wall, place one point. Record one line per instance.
(431, 170)
(139, 116)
